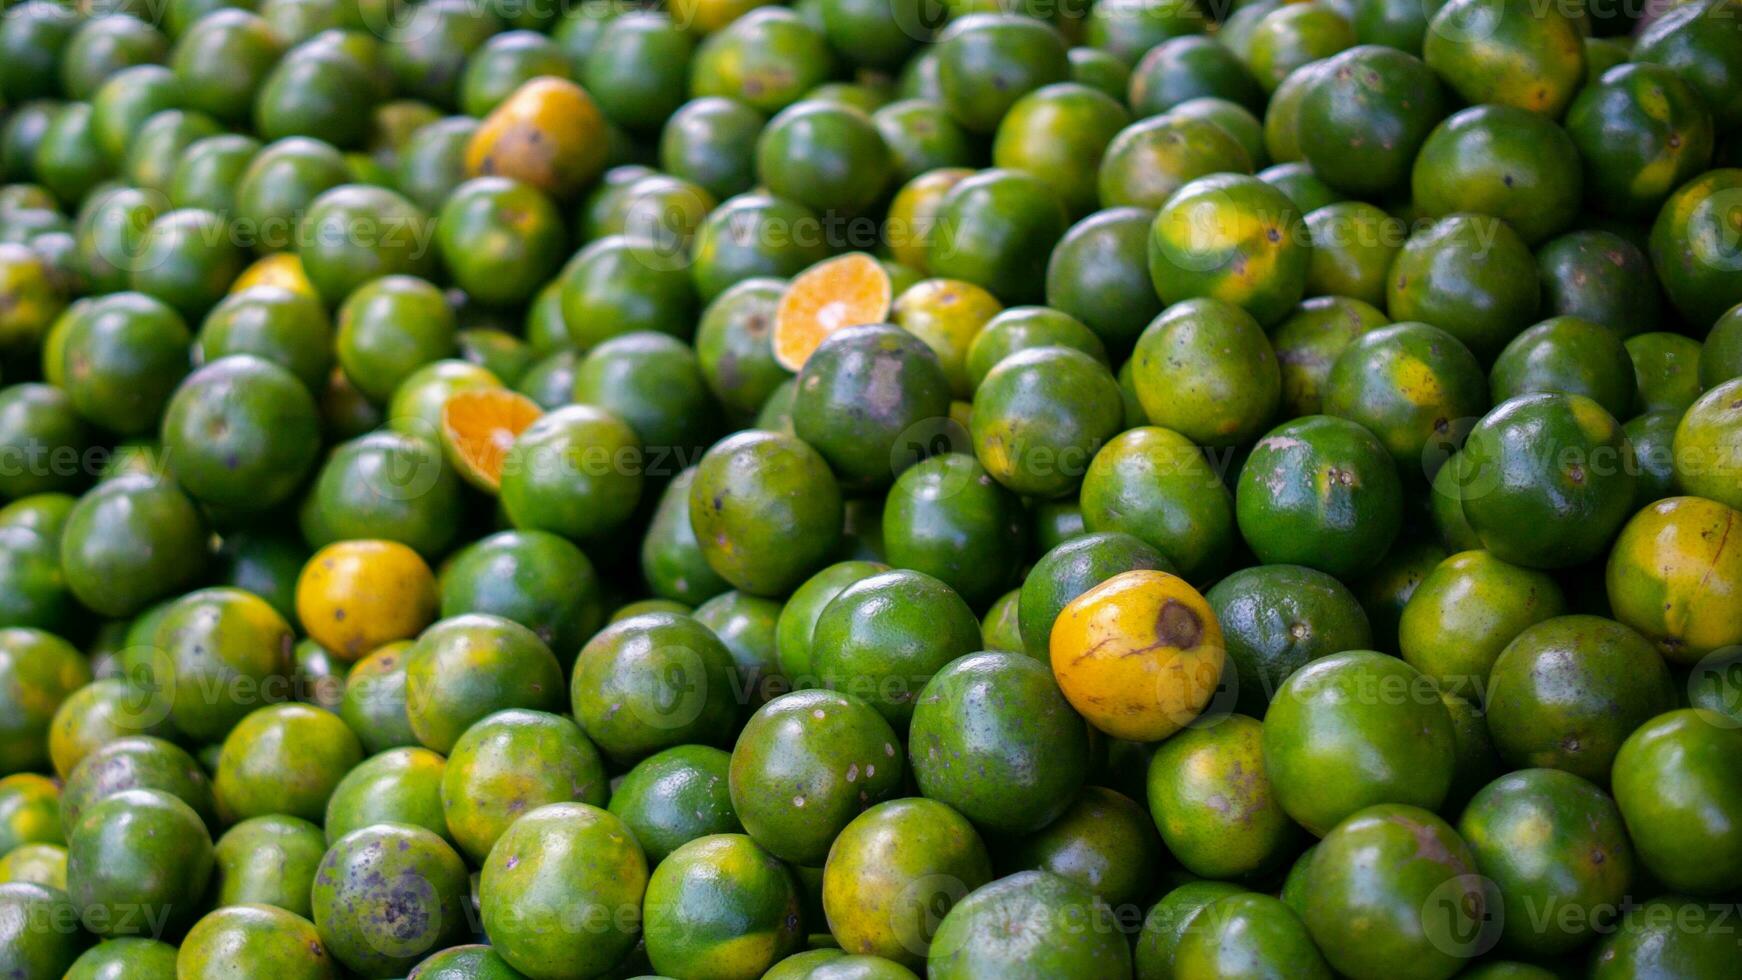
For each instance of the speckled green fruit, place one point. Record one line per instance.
(766, 511)
(1016, 927)
(1278, 618)
(390, 327)
(1022, 327)
(1642, 131)
(283, 759)
(1650, 943)
(1394, 892)
(1098, 274)
(1205, 369)
(1354, 244)
(138, 850)
(268, 861)
(1154, 484)
(128, 958)
(1666, 368)
(467, 667)
(1167, 920)
(1147, 161)
(39, 935)
(1058, 133)
(469, 962)
(1321, 492)
(289, 329)
(576, 472)
(653, 681)
(1502, 52)
(893, 870)
(1569, 355)
(996, 229)
(1583, 862)
(118, 357)
(1233, 238)
(242, 433)
(805, 765)
(883, 637)
(862, 394)
(1502, 161)
(993, 737)
(511, 762)
(1464, 614)
(338, 259)
(798, 617)
(946, 517)
(721, 906)
(400, 785)
(1547, 480)
(733, 346)
(1330, 751)
(1566, 692)
(1696, 272)
(1041, 415)
(1308, 343)
(1470, 275)
(137, 762)
(1696, 45)
(535, 578)
(675, 796)
(986, 62)
(1417, 388)
(253, 940)
(374, 699)
(388, 895)
(1365, 115)
(222, 637)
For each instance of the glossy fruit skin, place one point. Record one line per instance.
(1566, 692)
(1275, 619)
(1097, 275)
(35, 419)
(617, 285)
(1666, 368)
(35, 40)
(355, 596)
(949, 315)
(1501, 52)
(921, 137)
(712, 141)
(130, 541)
(1705, 444)
(1021, 328)
(221, 61)
(1364, 116)
(995, 739)
(127, 957)
(766, 59)
(1321, 492)
(549, 859)
(733, 347)
(1073, 567)
(977, 937)
(242, 432)
(104, 711)
(1041, 415)
(42, 864)
(510, 762)
(137, 762)
(739, 241)
(798, 617)
(577, 472)
(36, 301)
(986, 62)
(1058, 133)
(1308, 343)
(1329, 752)
(1465, 612)
(534, 578)
(467, 667)
(275, 324)
(259, 773)
(1694, 43)
(1675, 782)
(387, 895)
(38, 951)
(1502, 161)
(136, 850)
(1167, 920)
(118, 358)
(676, 796)
(433, 161)
(652, 681)
(1354, 244)
(672, 563)
(281, 181)
(1247, 933)
(402, 785)
(1572, 503)
(1374, 916)
(883, 637)
(996, 229)
(1648, 943)
(337, 259)
(824, 156)
(766, 511)
(790, 770)
(505, 62)
(374, 699)
(1417, 388)
(1570, 355)
(311, 92)
(390, 327)
(1187, 67)
(40, 671)
(946, 517)
(1104, 842)
(68, 159)
(721, 906)
(468, 962)
(1154, 484)
(253, 940)
(862, 395)
(1695, 274)
(1667, 555)
(500, 238)
(1642, 132)
(893, 869)
(1470, 275)
(1219, 768)
(653, 382)
(1147, 161)
(1233, 238)
(1583, 862)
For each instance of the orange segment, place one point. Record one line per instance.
(478, 426)
(842, 292)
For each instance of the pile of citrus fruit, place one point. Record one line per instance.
(870, 489)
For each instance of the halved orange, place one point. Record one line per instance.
(841, 292)
(478, 426)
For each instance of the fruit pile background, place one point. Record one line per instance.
(871, 489)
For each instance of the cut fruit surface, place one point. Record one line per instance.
(478, 426)
(842, 292)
